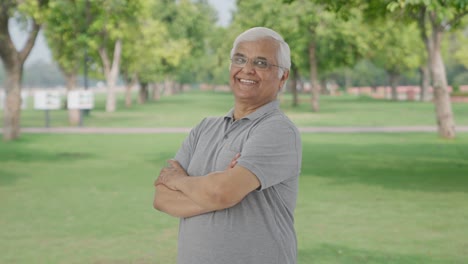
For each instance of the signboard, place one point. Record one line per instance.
(80, 99)
(47, 100)
(24, 100)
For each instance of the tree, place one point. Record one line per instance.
(396, 48)
(188, 23)
(329, 41)
(434, 19)
(65, 31)
(31, 13)
(109, 21)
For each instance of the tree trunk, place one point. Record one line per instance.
(443, 105)
(13, 62)
(12, 107)
(73, 114)
(348, 79)
(128, 90)
(293, 86)
(315, 89)
(393, 79)
(168, 86)
(111, 72)
(156, 91)
(143, 94)
(425, 82)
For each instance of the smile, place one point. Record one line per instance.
(245, 81)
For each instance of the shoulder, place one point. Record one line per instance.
(209, 121)
(277, 121)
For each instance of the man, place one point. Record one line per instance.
(234, 181)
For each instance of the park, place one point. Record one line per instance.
(384, 175)
(363, 198)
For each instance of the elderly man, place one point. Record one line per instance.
(233, 183)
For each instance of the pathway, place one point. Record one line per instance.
(119, 130)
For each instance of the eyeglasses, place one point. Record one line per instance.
(258, 63)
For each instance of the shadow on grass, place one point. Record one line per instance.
(9, 177)
(41, 156)
(421, 167)
(328, 253)
(10, 159)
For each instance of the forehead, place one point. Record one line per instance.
(266, 48)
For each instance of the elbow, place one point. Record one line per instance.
(157, 203)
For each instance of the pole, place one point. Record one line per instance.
(47, 119)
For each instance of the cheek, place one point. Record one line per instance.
(232, 74)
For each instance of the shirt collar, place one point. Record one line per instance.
(266, 108)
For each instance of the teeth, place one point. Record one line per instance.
(246, 81)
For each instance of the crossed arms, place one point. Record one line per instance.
(181, 195)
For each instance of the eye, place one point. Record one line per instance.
(239, 60)
(261, 63)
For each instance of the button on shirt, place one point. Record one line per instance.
(260, 228)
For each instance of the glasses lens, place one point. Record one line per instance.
(260, 63)
(239, 61)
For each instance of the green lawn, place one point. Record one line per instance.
(364, 198)
(186, 110)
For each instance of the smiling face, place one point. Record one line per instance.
(251, 86)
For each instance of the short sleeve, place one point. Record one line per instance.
(273, 152)
(185, 152)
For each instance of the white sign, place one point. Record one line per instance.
(80, 99)
(24, 100)
(47, 100)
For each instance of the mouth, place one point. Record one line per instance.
(246, 81)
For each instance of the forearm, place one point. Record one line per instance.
(208, 191)
(214, 191)
(176, 203)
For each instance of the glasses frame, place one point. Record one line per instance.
(253, 62)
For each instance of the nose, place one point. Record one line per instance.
(249, 67)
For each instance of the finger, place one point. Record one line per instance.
(158, 181)
(234, 160)
(169, 164)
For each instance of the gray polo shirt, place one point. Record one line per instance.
(259, 229)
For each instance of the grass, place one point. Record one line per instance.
(364, 198)
(186, 110)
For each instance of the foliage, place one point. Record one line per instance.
(396, 47)
(109, 21)
(65, 32)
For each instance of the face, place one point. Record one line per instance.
(253, 86)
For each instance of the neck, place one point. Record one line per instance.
(242, 110)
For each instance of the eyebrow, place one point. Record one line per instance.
(242, 55)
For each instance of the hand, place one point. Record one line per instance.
(170, 174)
(233, 162)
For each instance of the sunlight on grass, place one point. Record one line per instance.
(189, 108)
(364, 198)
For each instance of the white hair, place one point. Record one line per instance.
(283, 55)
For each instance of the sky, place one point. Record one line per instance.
(41, 52)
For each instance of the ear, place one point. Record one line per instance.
(284, 78)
